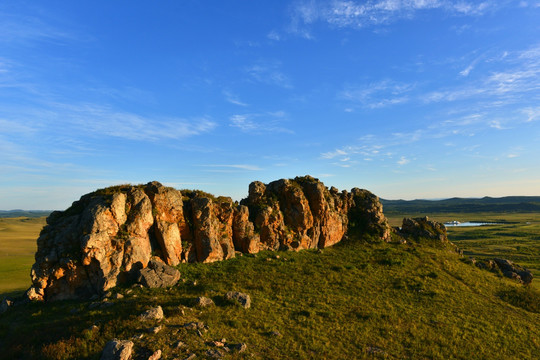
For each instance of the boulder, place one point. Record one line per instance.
(239, 298)
(155, 313)
(514, 271)
(117, 350)
(203, 301)
(158, 275)
(156, 355)
(5, 304)
(196, 325)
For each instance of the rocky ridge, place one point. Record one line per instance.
(110, 235)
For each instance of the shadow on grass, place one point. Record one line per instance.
(526, 298)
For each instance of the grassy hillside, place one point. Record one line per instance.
(17, 248)
(351, 301)
(516, 237)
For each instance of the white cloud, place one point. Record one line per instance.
(532, 114)
(511, 85)
(105, 121)
(234, 166)
(9, 126)
(377, 95)
(233, 99)
(403, 161)
(340, 152)
(260, 123)
(359, 14)
(496, 124)
(26, 29)
(273, 35)
(269, 73)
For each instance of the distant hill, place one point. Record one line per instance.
(464, 205)
(24, 213)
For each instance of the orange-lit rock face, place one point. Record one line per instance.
(109, 234)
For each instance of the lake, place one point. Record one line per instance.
(468, 223)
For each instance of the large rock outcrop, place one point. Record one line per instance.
(423, 228)
(110, 235)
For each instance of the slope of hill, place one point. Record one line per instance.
(463, 205)
(351, 301)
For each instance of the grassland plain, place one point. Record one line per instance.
(17, 249)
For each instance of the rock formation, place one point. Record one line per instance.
(423, 228)
(109, 235)
(507, 268)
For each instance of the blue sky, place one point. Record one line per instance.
(409, 99)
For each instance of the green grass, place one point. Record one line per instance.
(516, 239)
(17, 249)
(351, 301)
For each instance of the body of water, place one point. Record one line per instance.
(469, 223)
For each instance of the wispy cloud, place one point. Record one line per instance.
(127, 125)
(10, 126)
(360, 14)
(273, 35)
(465, 72)
(532, 113)
(519, 76)
(233, 99)
(270, 73)
(260, 123)
(229, 167)
(21, 30)
(403, 161)
(71, 120)
(379, 94)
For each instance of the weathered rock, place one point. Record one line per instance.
(330, 222)
(297, 216)
(203, 301)
(156, 355)
(214, 353)
(155, 313)
(244, 236)
(195, 325)
(155, 329)
(366, 215)
(158, 275)
(240, 298)
(117, 350)
(224, 211)
(168, 209)
(514, 271)
(5, 304)
(419, 228)
(168, 237)
(206, 230)
(110, 236)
